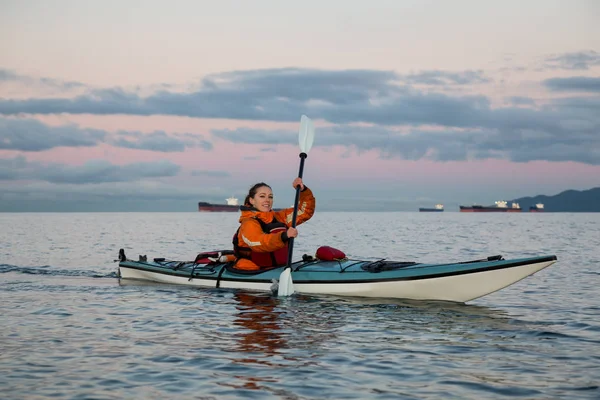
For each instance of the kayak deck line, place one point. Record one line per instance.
(205, 271)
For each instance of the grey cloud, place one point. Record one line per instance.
(558, 152)
(581, 60)
(282, 95)
(32, 135)
(8, 75)
(102, 171)
(517, 134)
(211, 174)
(347, 98)
(298, 84)
(11, 76)
(588, 106)
(341, 97)
(573, 84)
(415, 109)
(413, 145)
(159, 141)
(447, 78)
(11, 168)
(27, 134)
(279, 95)
(520, 101)
(256, 136)
(92, 172)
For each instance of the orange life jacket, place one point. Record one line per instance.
(263, 259)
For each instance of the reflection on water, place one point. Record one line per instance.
(273, 332)
(413, 314)
(262, 335)
(259, 339)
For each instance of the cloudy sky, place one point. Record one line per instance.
(151, 105)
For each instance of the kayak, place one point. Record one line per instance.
(450, 281)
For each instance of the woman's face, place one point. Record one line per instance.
(263, 199)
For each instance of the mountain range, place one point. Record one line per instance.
(567, 201)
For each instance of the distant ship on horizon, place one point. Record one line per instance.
(437, 208)
(539, 207)
(231, 206)
(500, 206)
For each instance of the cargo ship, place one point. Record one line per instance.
(231, 206)
(539, 207)
(500, 206)
(437, 208)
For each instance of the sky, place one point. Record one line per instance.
(156, 105)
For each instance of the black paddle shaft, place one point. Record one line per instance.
(295, 215)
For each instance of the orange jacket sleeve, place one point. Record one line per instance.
(306, 209)
(251, 235)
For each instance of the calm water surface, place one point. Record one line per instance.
(72, 330)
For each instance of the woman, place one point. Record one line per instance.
(261, 241)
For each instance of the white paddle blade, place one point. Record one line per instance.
(286, 284)
(306, 134)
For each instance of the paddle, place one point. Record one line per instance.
(305, 139)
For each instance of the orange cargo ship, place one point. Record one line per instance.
(231, 206)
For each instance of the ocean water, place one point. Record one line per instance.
(71, 330)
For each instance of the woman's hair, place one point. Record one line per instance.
(252, 192)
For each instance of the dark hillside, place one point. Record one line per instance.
(567, 201)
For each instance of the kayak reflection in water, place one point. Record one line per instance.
(258, 316)
(259, 339)
(261, 241)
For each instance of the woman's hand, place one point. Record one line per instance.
(292, 232)
(298, 181)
